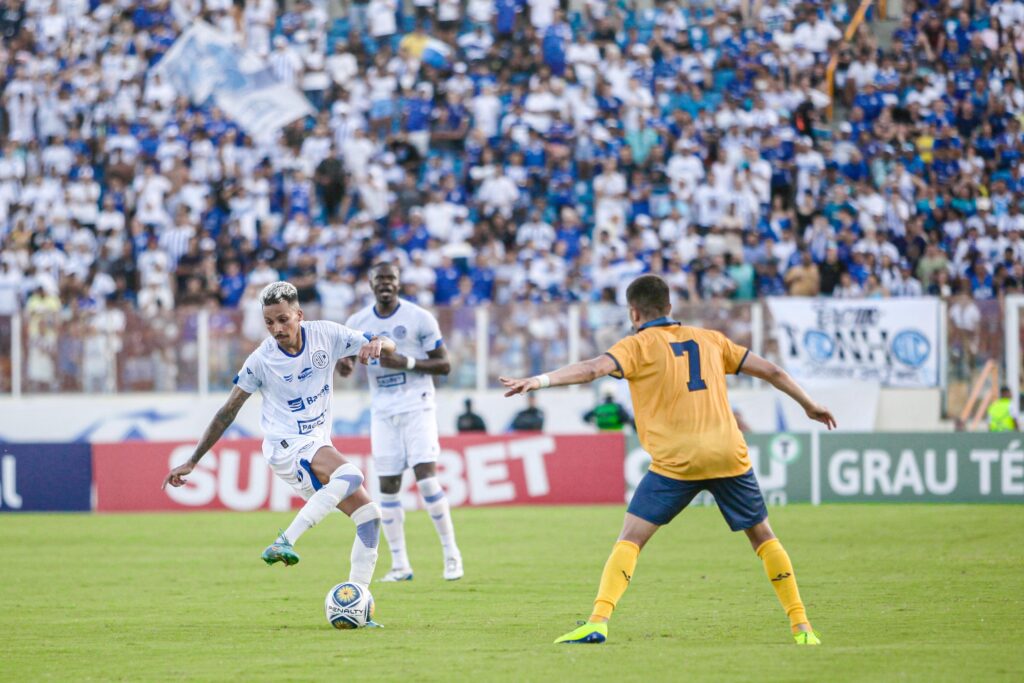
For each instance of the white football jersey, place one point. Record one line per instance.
(297, 390)
(415, 332)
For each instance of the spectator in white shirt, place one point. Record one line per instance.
(486, 108)
(342, 65)
(609, 199)
(380, 14)
(542, 13)
(285, 62)
(498, 193)
(536, 233)
(816, 34)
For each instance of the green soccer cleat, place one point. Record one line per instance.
(807, 638)
(586, 633)
(280, 551)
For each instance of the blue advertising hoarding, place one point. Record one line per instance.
(45, 477)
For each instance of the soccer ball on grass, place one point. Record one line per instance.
(348, 605)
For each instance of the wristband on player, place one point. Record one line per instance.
(410, 362)
(544, 381)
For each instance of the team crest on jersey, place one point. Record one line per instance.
(400, 332)
(320, 359)
(306, 372)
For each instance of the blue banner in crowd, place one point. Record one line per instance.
(45, 477)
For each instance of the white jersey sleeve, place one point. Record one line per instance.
(250, 377)
(347, 341)
(429, 333)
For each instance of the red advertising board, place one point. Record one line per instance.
(514, 469)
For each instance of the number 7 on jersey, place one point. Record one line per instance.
(692, 352)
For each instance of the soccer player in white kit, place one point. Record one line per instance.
(403, 429)
(294, 370)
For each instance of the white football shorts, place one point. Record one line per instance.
(404, 440)
(291, 459)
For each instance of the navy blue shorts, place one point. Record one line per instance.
(659, 499)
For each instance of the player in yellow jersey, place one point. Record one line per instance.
(676, 377)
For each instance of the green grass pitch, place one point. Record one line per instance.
(908, 592)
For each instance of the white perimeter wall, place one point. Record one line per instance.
(99, 418)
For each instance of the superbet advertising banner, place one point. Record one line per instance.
(512, 469)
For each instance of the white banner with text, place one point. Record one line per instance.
(894, 342)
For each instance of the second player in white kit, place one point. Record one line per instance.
(403, 428)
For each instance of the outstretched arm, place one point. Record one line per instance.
(577, 373)
(755, 366)
(221, 421)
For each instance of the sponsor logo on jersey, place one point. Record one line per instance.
(307, 426)
(296, 405)
(310, 400)
(320, 359)
(288, 378)
(304, 375)
(400, 332)
(388, 381)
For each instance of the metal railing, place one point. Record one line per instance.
(200, 350)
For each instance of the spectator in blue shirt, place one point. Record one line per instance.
(557, 37)
(232, 284)
(981, 281)
(446, 287)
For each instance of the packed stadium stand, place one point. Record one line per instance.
(522, 153)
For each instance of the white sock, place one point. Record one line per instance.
(440, 513)
(393, 517)
(364, 548)
(344, 481)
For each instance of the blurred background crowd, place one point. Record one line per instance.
(516, 151)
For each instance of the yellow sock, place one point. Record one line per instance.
(618, 570)
(780, 571)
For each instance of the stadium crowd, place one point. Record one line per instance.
(538, 154)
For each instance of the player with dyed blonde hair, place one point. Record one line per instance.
(294, 371)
